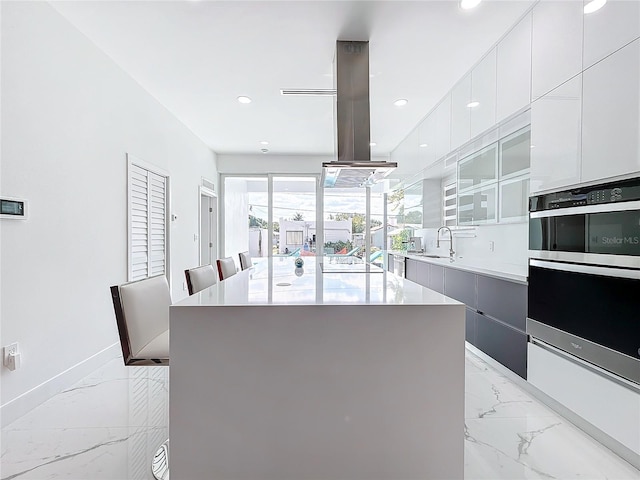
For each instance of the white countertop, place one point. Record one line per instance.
(506, 271)
(276, 281)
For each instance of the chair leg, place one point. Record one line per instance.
(160, 463)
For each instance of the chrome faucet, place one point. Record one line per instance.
(451, 252)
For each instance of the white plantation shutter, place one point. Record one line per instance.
(147, 223)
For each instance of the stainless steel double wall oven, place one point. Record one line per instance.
(584, 274)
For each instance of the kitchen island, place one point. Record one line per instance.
(331, 372)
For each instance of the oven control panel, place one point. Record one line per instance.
(622, 191)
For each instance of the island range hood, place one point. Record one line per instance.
(353, 167)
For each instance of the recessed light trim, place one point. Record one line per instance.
(244, 99)
(594, 5)
(264, 142)
(473, 104)
(401, 102)
(469, 4)
(423, 145)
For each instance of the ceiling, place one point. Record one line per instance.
(197, 57)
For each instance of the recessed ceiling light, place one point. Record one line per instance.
(243, 99)
(264, 150)
(469, 4)
(473, 104)
(401, 102)
(264, 142)
(373, 144)
(423, 145)
(594, 5)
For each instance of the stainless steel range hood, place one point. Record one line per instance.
(354, 167)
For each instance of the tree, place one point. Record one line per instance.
(257, 222)
(357, 221)
(396, 240)
(413, 218)
(297, 217)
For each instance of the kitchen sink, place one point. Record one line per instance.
(429, 255)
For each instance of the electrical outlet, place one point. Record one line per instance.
(491, 246)
(7, 351)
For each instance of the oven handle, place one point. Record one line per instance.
(603, 208)
(589, 269)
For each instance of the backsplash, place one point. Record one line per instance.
(500, 244)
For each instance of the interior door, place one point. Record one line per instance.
(208, 228)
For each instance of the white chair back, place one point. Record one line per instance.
(226, 267)
(200, 278)
(245, 260)
(142, 314)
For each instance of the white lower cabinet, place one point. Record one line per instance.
(611, 115)
(606, 404)
(555, 137)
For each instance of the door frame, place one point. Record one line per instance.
(213, 232)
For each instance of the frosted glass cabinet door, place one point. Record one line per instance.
(478, 169)
(483, 91)
(514, 200)
(478, 206)
(460, 114)
(556, 48)
(610, 28)
(515, 153)
(555, 137)
(610, 116)
(514, 70)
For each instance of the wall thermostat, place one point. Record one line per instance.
(13, 208)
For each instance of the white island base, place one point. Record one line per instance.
(352, 376)
(318, 392)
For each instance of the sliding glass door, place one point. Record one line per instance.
(294, 222)
(269, 215)
(279, 215)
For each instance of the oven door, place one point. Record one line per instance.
(599, 234)
(589, 311)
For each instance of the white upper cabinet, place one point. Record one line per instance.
(513, 65)
(610, 116)
(406, 154)
(427, 140)
(556, 50)
(483, 91)
(443, 127)
(610, 28)
(460, 112)
(555, 137)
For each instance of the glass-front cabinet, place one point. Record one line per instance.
(493, 182)
(479, 168)
(478, 206)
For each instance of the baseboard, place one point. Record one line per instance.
(606, 440)
(14, 409)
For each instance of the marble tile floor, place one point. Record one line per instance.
(108, 426)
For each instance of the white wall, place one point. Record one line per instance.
(69, 117)
(510, 243)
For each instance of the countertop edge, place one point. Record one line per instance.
(513, 277)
